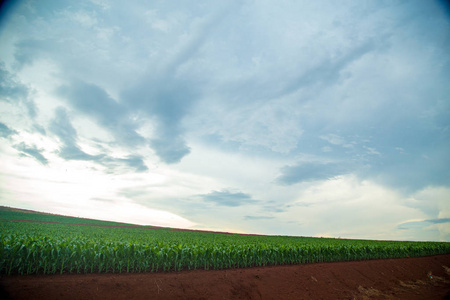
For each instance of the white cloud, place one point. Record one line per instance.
(434, 200)
(372, 151)
(229, 169)
(73, 188)
(327, 149)
(84, 18)
(349, 207)
(333, 139)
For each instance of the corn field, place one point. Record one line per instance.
(43, 248)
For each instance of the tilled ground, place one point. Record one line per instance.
(410, 278)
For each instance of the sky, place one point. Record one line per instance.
(306, 118)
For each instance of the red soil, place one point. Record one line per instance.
(410, 278)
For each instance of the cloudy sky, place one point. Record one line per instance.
(312, 118)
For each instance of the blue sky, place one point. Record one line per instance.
(312, 118)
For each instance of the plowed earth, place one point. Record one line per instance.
(409, 278)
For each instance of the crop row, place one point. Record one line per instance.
(24, 255)
(51, 248)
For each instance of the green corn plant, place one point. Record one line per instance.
(54, 248)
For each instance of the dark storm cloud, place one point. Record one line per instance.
(29, 49)
(413, 146)
(135, 162)
(328, 72)
(309, 171)
(33, 152)
(168, 97)
(40, 129)
(227, 198)
(10, 88)
(5, 131)
(170, 148)
(93, 101)
(13, 91)
(63, 129)
(167, 100)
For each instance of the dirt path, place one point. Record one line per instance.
(411, 278)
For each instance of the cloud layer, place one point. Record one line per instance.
(303, 118)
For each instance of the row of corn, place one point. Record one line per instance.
(27, 248)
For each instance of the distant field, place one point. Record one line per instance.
(8, 213)
(50, 248)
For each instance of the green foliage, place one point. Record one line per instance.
(45, 248)
(7, 213)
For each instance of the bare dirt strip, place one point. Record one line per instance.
(409, 278)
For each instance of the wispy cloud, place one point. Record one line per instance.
(227, 198)
(5, 131)
(93, 101)
(328, 72)
(63, 129)
(252, 218)
(168, 97)
(307, 171)
(423, 223)
(12, 90)
(131, 162)
(33, 152)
